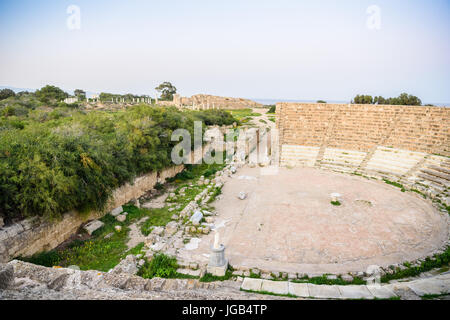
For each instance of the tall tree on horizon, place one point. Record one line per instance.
(51, 94)
(167, 91)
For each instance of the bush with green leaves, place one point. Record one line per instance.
(214, 117)
(6, 93)
(52, 162)
(51, 94)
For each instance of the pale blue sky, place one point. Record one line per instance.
(283, 49)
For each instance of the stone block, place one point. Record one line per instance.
(347, 278)
(381, 292)
(196, 217)
(171, 228)
(93, 226)
(355, 292)
(431, 286)
(252, 284)
(115, 212)
(190, 272)
(158, 231)
(193, 265)
(121, 218)
(217, 271)
(255, 271)
(324, 291)
(299, 289)
(277, 287)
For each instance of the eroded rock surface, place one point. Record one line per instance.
(42, 283)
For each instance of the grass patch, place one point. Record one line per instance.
(157, 218)
(323, 280)
(241, 114)
(208, 277)
(162, 266)
(215, 193)
(46, 259)
(446, 207)
(95, 253)
(395, 184)
(434, 296)
(437, 261)
(270, 293)
(418, 192)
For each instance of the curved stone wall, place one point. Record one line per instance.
(409, 145)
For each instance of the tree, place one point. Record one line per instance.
(272, 108)
(380, 100)
(363, 99)
(404, 100)
(80, 94)
(407, 100)
(321, 101)
(6, 93)
(167, 91)
(51, 94)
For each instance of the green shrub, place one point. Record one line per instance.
(63, 159)
(47, 259)
(161, 266)
(437, 261)
(395, 184)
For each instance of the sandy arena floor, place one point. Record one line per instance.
(288, 224)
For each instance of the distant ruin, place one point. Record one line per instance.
(207, 102)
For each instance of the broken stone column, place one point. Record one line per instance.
(218, 265)
(335, 197)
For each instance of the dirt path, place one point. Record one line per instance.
(135, 235)
(256, 121)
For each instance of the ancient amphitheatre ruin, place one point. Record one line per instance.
(385, 168)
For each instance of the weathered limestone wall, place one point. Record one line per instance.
(204, 101)
(33, 235)
(407, 144)
(362, 127)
